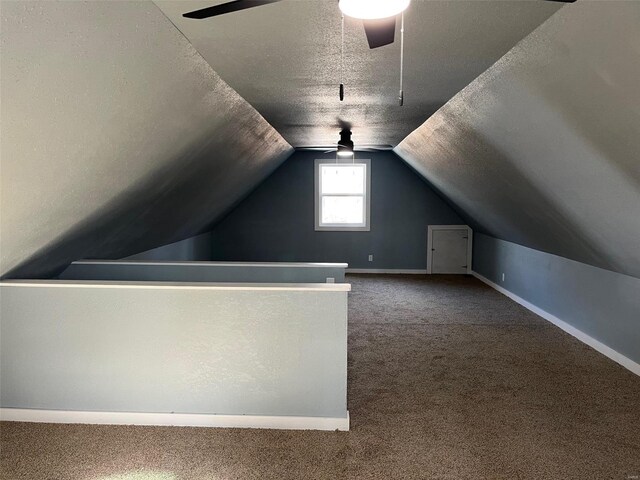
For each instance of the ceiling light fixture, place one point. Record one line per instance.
(373, 9)
(345, 145)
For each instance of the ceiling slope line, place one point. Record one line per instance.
(482, 74)
(211, 66)
(297, 88)
(539, 148)
(120, 158)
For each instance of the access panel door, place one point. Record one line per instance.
(449, 251)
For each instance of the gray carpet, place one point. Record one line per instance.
(448, 379)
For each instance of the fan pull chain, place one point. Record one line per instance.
(401, 95)
(342, 62)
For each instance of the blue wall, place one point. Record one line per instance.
(196, 248)
(276, 222)
(603, 304)
(208, 272)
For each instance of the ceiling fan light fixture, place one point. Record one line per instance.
(373, 9)
(344, 151)
(345, 145)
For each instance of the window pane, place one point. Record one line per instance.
(337, 210)
(336, 178)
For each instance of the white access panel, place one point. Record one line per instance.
(449, 249)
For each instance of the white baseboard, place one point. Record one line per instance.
(571, 330)
(174, 419)
(395, 271)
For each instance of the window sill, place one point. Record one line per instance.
(343, 229)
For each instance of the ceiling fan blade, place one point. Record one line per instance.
(376, 146)
(357, 148)
(380, 32)
(228, 7)
(318, 148)
(562, 1)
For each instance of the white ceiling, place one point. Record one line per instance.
(284, 60)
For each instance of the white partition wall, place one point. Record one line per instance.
(262, 355)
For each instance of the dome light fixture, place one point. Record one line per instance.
(373, 9)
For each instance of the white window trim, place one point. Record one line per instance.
(367, 196)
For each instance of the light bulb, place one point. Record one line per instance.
(373, 9)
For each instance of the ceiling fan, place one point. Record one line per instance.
(345, 146)
(378, 16)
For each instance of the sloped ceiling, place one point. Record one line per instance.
(117, 136)
(284, 59)
(543, 149)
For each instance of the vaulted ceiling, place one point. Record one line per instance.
(543, 149)
(117, 136)
(126, 126)
(284, 59)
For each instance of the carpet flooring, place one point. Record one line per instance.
(448, 379)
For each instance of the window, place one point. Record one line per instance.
(342, 195)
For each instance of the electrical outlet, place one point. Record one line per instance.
(503, 277)
(371, 258)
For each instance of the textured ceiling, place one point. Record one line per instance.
(543, 148)
(116, 135)
(284, 60)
